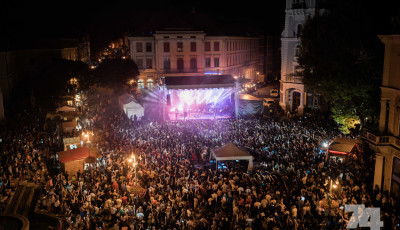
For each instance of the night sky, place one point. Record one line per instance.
(28, 19)
(45, 18)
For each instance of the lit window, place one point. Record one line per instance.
(150, 83)
(140, 84)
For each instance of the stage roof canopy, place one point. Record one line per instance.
(200, 82)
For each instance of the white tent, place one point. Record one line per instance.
(230, 152)
(130, 106)
(65, 109)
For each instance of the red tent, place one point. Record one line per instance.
(73, 154)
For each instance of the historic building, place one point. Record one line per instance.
(179, 48)
(293, 95)
(386, 141)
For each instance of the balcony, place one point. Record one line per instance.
(381, 140)
(293, 78)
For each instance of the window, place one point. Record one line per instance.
(180, 64)
(150, 83)
(216, 46)
(216, 62)
(180, 46)
(207, 62)
(166, 47)
(299, 27)
(167, 64)
(139, 47)
(148, 46)
(193, 47)
(207, 46)
(193, 64)
(297, 51)
(139, 63)
(140, 84)
(149, 63)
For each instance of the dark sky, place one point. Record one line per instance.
(49, 17)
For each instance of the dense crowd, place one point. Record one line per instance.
(173, 185)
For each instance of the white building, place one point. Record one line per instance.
(386, 142)
(293, 95)
(178, 51)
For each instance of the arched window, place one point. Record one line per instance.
(140, 84)
(150, 83)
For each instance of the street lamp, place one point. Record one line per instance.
(87, 136)
(134, 164)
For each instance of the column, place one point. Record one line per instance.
(382, 116)
(378, 170)
(301, 106)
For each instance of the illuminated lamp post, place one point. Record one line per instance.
(134, 164)
(87, 136)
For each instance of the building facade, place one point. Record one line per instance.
(19, 63)
(192, 53)
(293, 95)
(386, 141)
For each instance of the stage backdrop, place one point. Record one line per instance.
(250, 106)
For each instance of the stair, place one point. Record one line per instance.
(12, 207)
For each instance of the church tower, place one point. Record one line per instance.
(293, 95)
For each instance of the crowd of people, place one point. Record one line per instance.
(172, 186)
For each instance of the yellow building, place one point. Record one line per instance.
(386, 141)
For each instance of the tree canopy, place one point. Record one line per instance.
(112, 72)
(341, 58)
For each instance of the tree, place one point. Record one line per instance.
(114, 72)
(341, 58)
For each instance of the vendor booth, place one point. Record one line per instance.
(75, 160)
(342, 149)
(231, 152)
(72, 143)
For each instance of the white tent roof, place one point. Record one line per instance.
(231, 152)
(65, 109)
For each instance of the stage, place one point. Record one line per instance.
(194, 97)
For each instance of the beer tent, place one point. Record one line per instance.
(343, 148)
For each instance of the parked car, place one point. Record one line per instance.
(274, 93)
(268, 101)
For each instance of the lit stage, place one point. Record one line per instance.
(200, 97)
